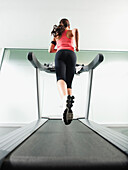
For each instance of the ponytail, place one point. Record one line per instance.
(58, 30)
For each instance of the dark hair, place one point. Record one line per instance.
(58, 30)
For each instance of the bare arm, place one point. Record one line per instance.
(76, 37)
(52, 47)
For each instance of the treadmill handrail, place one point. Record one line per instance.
(85, 68)
(32, 58)
(94, 63)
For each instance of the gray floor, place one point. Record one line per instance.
(6, 130)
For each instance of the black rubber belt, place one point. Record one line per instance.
(55, 145)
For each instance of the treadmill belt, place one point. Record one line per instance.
(55, 145)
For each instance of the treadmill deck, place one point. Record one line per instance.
(55, 145)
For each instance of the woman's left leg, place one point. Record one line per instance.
(62, 88)
(69, 91)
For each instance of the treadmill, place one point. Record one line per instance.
(50, 144)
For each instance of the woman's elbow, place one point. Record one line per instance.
(75, 30)
(50, 50)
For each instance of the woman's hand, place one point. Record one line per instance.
(77, 49)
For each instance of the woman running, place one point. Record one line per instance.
(65, 62)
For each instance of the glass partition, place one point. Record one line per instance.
(17, 88)
(109, 88)
(1, 55)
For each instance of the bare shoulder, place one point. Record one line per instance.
(69, 34)
(74, 30)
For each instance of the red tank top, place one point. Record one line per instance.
(65, 43)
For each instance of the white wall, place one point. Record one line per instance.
(27, 23)
(102, 24)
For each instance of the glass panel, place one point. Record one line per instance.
(17, 88)
(109, 88)
(0, 55)
(109, 91)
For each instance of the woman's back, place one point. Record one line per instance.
(65, 41)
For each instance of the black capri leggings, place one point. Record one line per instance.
(65, 62)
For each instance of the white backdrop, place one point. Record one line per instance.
(102, 24)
